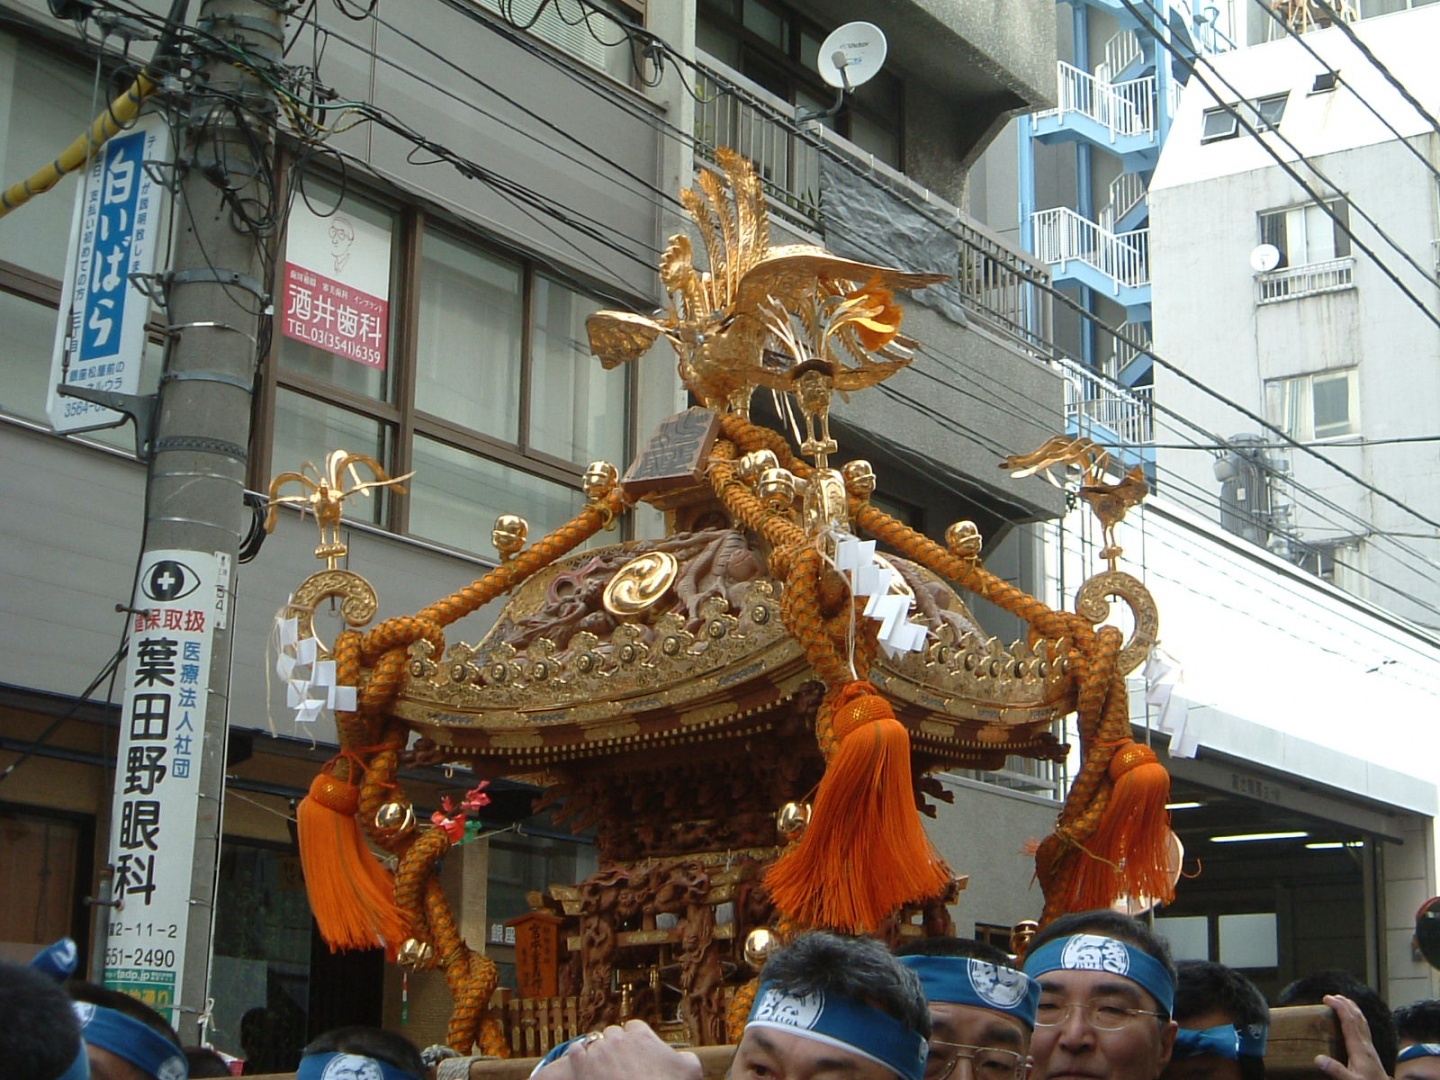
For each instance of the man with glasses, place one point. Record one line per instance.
(982, 1010)
(1107, 988)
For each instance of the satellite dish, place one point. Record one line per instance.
(851, 55)
(1264, 258)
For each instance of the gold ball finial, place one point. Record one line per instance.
(599, 480)
(759, 944)
(964, 540)
(776, 488)
(751, 465)
(509, 534)
(792, 820)
(859, 478)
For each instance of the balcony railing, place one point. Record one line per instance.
(1123, 352)
(1126, 191)
(1103, 409)
(1124, 108)
(1293, 282)
(1122, 50)
(1061, 235)
(1001, 287)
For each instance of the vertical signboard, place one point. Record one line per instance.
(336, 293)
(100, 337)
(157, 772)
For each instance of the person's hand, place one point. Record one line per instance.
(1364, 1063)
(622, 1054)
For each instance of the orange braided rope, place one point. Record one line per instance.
(1110, 836)
(370, 752)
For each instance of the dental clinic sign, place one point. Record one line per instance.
(336, 292)
(100, 338)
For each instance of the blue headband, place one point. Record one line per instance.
(143, 1047)
(1229, 1041)
(962, 980)
(1419, 1050)
(1095, 952)
(843, 1023)
(59, 961)
(348, 1067)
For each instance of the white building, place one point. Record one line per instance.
(1328, 696)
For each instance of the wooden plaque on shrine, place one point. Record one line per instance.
(672, 465)
(537, 954)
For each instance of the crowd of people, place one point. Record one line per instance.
(1097, 998)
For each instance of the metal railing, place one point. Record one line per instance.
(1435, 254)
(1103, 409)
(1122, 50)
(1292, 282)
(1124, 352)
(1061, 235)
(1124, 108)
(1126, 191)
(1001, 287)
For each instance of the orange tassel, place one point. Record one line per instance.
(1128, 855)
(351, 894)
(865, 852)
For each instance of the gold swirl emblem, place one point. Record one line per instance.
(638, 584)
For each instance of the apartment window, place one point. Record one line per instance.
(592, 31)
(1262, 114)
(1305, 235)
(772, 45)
(44, 99)
(484, 384)
(1335, 561)
(1319, 406)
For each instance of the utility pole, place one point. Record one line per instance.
(170, 768)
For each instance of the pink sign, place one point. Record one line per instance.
(323, 312)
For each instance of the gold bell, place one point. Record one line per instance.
(792, 819)
(414, 953)
(759, 944)
(509, 534)
(395, 818)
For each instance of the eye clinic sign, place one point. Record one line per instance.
(337, 283)
(179, 603)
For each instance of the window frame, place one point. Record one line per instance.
(1257, 113)
(1277, 392)
(399, 414)
(1340, 239)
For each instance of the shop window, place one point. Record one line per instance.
(260, 978)
(479, 378)
(41, 864)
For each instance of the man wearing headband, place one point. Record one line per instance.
(827, 1007)
(1107, 988)
(1419, 1028)
(125, 1038)
(40, 1038)
(982, 1010)
(1223, 1020)
(361, 1053)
